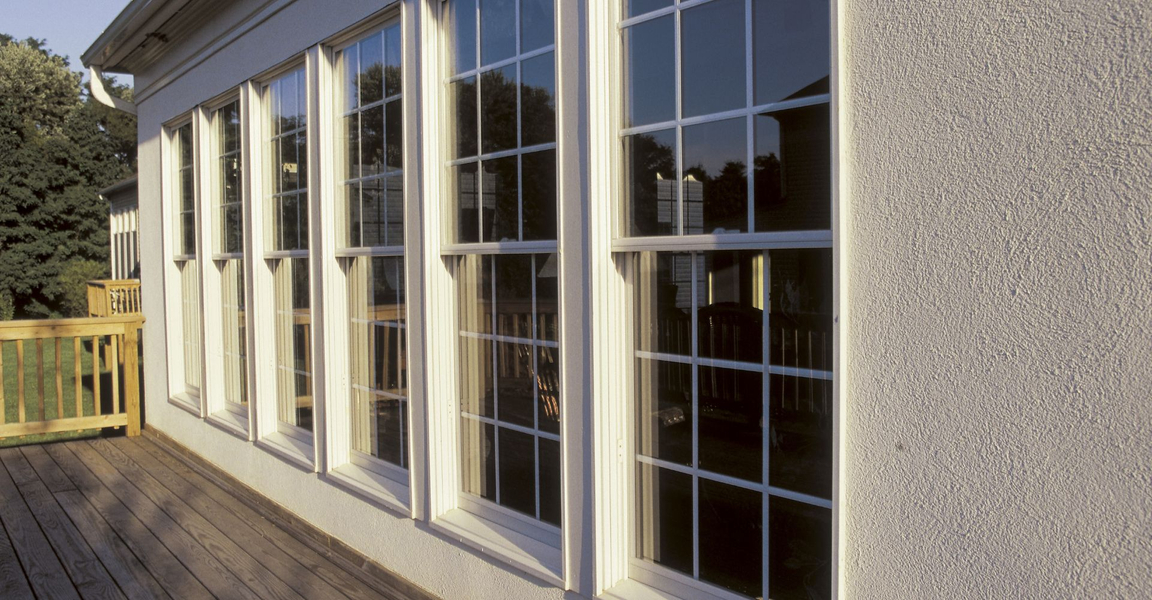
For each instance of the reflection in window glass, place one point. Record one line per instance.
(287, 149)
(789, 49)
(185, 249)
(509, 381)
(733, 370)
(710, 154)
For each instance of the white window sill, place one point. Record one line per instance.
(373, 487)
(649, 581)
(290, 449)
(187, 402)
(518, 550)
(230, 422)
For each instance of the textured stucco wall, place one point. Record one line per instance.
(999, 174)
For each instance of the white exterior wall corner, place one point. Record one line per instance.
(999, 428)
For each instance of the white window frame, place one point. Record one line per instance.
(296, 446)
(376, 480)
(225, 415)
(179, 394)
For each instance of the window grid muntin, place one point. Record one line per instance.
(695, 245)
(387, 171)
(749, 112)
(535, 343)
(519, 150)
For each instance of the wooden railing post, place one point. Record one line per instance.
(132, 377)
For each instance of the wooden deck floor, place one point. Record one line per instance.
(124, 518)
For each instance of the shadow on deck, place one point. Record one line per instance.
(127, 518)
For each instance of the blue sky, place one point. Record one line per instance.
(70, 26)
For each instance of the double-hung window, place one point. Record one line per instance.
(725, 221)
(372, 241)
(229, 257)
(185, 256)
(501, 228)
(286, 212)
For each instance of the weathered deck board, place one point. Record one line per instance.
(360, 588)
(127, 518)
(92, 581)
(156, 557)
(276, 560)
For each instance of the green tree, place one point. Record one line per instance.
(58, 148)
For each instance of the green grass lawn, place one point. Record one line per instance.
(32, 405)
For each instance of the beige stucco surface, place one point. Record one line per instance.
(999, 187)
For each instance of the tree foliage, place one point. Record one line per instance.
(58, 149)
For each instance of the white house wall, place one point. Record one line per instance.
(999, 369)
(995, 190)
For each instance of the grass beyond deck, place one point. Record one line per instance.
(32, 389)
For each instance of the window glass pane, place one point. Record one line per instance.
(462, 23)
(731, 534)
(730, 318)
(547, 297)
(474, 293)
(464, 99)
(514, 383)
(800, 550)
(394, 209)
(372, 141)
(355, 218)
(713, 57)
(664, 410)
(371, 69)
(792, 183)
(352, 148)
(664, 517)
(633, 8)
(514, 295)
(663, 285)
(350, 60)
(790, 49)
(548, 389)
(498, 113)
(476, 388)
(378, 358)
(188, 225)
(191, 310)
(394, 128)
(497, 30)
(517, 471)
(466, 197)
(478, 458)
(650, 72)
(392, 61)
(731, 404)
(715, 178)
(650, 202)
(501, 213)
(293, 342)
(538, 100)
(235, 332)
(373, 215)
(539, 210)
(536, 24)
(801, 310)
(229, 118)
(549, 481)
(801, 421)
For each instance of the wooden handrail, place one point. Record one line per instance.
(118, 337)
(110, 297)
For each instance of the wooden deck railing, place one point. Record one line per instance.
(112, 297)
(103, 393)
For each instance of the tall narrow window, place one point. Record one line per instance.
(727, 194)
(373, 241)
(286, 180)
(502, 190)
(186, 255)
(230, 253)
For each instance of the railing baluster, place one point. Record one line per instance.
(132, 379)
(96, 374)
(40, 374)
(59, 383)
(79, 382)
(114, 343)
(20, 377)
